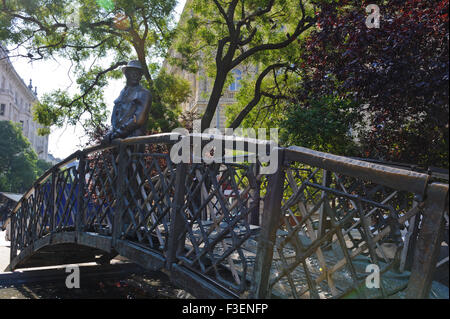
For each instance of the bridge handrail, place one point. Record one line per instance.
(166, 138)
(381, 173)
(434, 172)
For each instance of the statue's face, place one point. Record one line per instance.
(133, 76)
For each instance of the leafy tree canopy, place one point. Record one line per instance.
(98, 37)
(324, 126)
(389, 84)
(17, 159)
(225, 35)
(42, 166)
(398, 75)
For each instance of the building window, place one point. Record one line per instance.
(2, 109)
(236, 85)
(21, 123)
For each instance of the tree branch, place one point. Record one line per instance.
(96, 80)
(257, 96)
(249, 38)
(255, 14)
(229, 22)
(220, 47)
(301, 27)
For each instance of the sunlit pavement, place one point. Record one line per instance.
(4, 252)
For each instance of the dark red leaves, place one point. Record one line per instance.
(400, 70)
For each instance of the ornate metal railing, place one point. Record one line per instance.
(309, 230)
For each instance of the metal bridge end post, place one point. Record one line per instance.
(428, 242)
(80, 196)
(177, 224)
(266, 241)
(254, 201)
(13, 239)
(121, 191)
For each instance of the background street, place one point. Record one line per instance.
(4, 252)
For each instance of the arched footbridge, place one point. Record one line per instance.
(316, 227)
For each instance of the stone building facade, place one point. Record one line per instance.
(16, 102)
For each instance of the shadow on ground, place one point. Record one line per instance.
(116, 281)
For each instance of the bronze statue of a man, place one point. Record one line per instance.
(131, 108)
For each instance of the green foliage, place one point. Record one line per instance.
(42, 166)
(399, 110)
(98, 37)
(239, 34)
(17, 159)
(324, 126)
(108, 5)
(268, 112)
(172, 91)
(204, 25)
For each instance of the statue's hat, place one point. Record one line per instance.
(133, 65)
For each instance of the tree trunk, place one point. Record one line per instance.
(216, 94)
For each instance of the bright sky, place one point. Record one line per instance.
(55, 74)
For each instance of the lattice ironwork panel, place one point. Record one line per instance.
(44, 208)
(100, 193)
(149, 190)
(24, 221)
(332, 228)
(219, 239)
(66, 191)
(32, 220)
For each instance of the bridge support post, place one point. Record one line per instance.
(323, 213)
(428, 242)
(12, 237)
(177, 230)
(54, 207)
(121, 191)
(266, 242)
(80, 195)
(255, 195)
